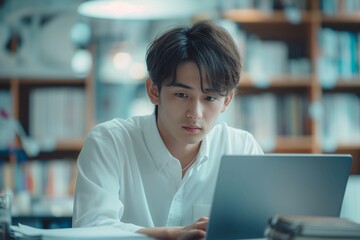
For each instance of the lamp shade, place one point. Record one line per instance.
(139, 9)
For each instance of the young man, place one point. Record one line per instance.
(156, 174)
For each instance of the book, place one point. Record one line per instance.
(311, 228)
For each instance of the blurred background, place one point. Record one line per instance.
(66, 65)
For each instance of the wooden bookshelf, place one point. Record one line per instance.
(17, 168)
(275, 25)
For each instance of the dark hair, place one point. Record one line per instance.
(208, 45)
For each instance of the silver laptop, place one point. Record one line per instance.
(250, 189)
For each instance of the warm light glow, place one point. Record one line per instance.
(117, 8)
(139, 9)
(138, 71)
(122, 60)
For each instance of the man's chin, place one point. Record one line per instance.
(194, 140)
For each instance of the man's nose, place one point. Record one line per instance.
(195, 110)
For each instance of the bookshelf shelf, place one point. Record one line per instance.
(349, 147)
(70, 145)
(294, 144)
(280, 82)
(341, 83)
(343, 86)
(259, 17)
(341, 18)
(50, 81)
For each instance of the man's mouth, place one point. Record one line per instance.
(192, 128)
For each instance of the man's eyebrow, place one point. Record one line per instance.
(177, 84)
(207, 90)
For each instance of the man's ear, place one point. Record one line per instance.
(152, 91)
(228, 100)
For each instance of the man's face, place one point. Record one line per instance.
(185, 113)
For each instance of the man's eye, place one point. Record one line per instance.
(181, 95)
(210, 98)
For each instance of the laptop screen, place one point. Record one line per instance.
(250, 189)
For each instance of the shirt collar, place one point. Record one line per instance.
(158, 151)
(203, 154)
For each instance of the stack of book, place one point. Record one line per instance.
(311, 228)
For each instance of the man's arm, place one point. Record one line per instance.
(96, 201)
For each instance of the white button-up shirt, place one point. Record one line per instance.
(128, 178)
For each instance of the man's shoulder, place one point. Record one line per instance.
(236, 141)
(222, 129)
(119, 125)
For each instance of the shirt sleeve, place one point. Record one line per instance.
(252, 146)
(96, 201)
(240, 141)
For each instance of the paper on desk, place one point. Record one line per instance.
(99, 232)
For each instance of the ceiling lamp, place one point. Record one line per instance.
(139, 9)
